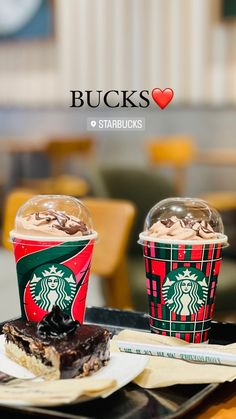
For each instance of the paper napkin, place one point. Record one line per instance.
(58, 392)
(163, 372)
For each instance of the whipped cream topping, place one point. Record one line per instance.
(56, 324)
(182, 229)
(52, 223)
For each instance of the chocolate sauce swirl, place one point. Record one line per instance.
(182, 229)
(56, 324)
(196, 225)
(61, 221)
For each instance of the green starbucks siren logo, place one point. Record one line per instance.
(185, 290)
(52, 284)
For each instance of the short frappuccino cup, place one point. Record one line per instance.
(53, 266)
(181, 274)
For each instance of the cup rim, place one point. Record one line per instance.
(92, 236)
(222, 238)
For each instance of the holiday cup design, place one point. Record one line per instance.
(53, 240)
(53, 284)
(182, 244)
(181, 285)
(53, 273)
(185, 290)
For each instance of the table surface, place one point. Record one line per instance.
(221, 404)
(217, 156)
(22, 145)
(134, 402)
(212, 156)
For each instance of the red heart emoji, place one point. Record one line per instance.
(162, 97)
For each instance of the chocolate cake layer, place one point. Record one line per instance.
(64, 356)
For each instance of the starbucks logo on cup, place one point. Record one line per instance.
(52, 284)
(185, 290)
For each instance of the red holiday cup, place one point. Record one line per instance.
(181, 274)
(53, 243)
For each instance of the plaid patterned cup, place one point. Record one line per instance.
(181, 279)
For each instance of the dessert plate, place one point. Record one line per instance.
(122, 367)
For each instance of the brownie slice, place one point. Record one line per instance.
(57, 349)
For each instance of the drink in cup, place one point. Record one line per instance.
(53, 242)
(182, 248)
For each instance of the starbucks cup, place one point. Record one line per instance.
(53, 267)
(181, 275)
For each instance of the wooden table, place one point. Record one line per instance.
(10, 145)
(217, 157)
(220, 405)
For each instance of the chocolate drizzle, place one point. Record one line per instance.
(56, 324)
(186, 222)
(73, 229)
(61, 221)
(167, 223)
(182, 229)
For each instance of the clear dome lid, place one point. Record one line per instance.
(185, 208)
(53, 215)
(183, 219)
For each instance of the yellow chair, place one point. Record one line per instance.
(60, 149)
(64, 185)
(113, 219)
(223, 201)
(13, 201)
(175, 151)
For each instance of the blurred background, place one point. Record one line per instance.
(48, 48)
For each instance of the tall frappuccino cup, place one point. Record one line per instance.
(53, 242)
(182, 247)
